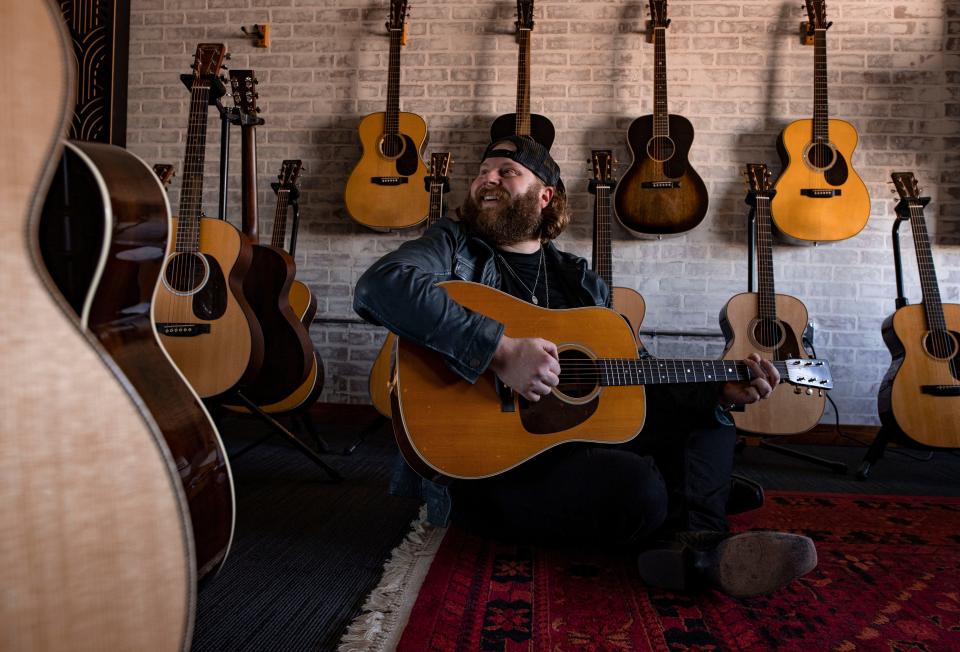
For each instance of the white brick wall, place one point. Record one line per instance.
(736, 70)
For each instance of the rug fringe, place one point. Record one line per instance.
(387, 608)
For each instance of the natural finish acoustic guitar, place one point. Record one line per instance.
(920, 393)
(772, 325)
(820, 197)
(627, 301)
(448, 427)
(381, 374)
(385, 189)
(200, 311)
(95, 545)
(660, 194)
(522, 122)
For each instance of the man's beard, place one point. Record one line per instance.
(501, 224)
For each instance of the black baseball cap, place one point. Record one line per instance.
(531, 155)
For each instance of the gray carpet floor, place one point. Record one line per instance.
(308, 550)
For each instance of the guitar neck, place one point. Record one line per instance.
(767, 295)
(602, 246)
(191, 192)
(821, 106)
(523, 82)
(932, 305)
(436, 201)
(654, 371)
(391, 124)
(278, 236)
(248, 179)
(661, 119)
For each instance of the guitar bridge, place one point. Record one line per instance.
(821, 193)
(657, 185)
(388, 181)
(941, 390)
(183, 330)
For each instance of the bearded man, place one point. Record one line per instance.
(664, 493)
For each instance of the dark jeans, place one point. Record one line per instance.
(663, 480)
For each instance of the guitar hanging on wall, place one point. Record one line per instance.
(522, 122)
(385, 189)
(381, 374)
(772, 325)
(627, 301)
(200, 311)
(920, 393)
(660, 194)
(820, 197)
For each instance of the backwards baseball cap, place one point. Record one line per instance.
(530, 154)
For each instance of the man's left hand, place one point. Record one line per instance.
(765, 379)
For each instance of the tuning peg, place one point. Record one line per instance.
(228, 56)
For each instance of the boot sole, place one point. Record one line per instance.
(757, 563)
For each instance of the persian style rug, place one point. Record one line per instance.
(888, 579)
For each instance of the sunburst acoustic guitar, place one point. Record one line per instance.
(96, 551)
(627, 301)
(381, 374)
(920, 393)
(200, 312)
(448, 427)
(385, 189)
(660, 194)
(772, 325)
(820, 197)
(522, 122)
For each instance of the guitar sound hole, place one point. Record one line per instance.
(940, 344)
(578, 374)
(661, 148)
(768, 333)
(821, 156)
(185, 273)
(392, 145)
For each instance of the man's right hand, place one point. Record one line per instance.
(530, 366)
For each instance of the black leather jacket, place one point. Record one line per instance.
(399, 292)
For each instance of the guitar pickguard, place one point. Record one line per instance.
(410, 159)
(837, 174)
(210, 302)
(551, 414)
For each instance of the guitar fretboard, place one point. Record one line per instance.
(602, 246)
(932, 305)
(523, 82)
(661, 119)
(766, 293)
(392, 118)
(279, 234)
(821, 105)
(653, 371)
(191, 192)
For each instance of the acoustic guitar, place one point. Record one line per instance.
(820, 197)
(448, 427)
(385, 189)
(660, 194)
(96, 551)
(301, 298)
(200, 311)
(920, 393)
(103, 232)
(627, 301)
(522, 122)
(288, 350)
(772, 325)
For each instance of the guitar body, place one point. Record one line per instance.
(784, 412)
(96, 551)
(629, 303)
(383, 192)
(381, 375)
(461, 430)
(226, 347)
(288, 351)
(812, 219)
(102, 237)
(541, 129)
(926, 419)
(646, 210)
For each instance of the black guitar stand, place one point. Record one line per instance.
(834, 465)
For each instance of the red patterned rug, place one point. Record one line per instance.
(888, 579)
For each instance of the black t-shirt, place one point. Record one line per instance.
(532, 280)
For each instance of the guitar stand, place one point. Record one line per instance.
(834, 465)
(278, 429)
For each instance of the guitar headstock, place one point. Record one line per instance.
(208, 59)
(524, 15)
(658, 14)
(906, 186)
(758, 178)
(440, 164)
(290, 173)
(817, 15)
(808, 372)
(243, 86)
(165, 173)
(397, 21)
(603, 165)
